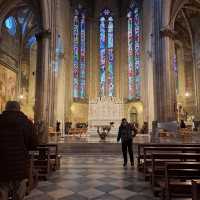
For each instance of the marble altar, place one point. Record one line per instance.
(103, 111)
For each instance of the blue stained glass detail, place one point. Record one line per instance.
(102, 57)
(82, 59)
(10, 24)
(134, 48)
(31, 41)
(76, 58)
(106, 54)
(110, 57)
(79, 55)
(130, 58)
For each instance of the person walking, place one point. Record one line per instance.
(17, 137)
(125, 134)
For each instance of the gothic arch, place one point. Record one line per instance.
(176, 6)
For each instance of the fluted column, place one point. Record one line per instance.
(169, 90)
(164, 82)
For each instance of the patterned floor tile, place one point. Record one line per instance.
(91, 193)
(107, 188)
(68, 183)
(74, 197)
(91, 178)
(57, 194)
(121, 183)
(123, 194)
(107, 197)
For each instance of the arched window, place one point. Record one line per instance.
(79, 54)
(106, 29)
(134, 49)
(10, 24)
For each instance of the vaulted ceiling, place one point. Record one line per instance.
(184, 23)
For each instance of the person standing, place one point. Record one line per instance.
(125, 134)
(182, 124)
(17, 137)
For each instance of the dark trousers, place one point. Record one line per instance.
(127, 145)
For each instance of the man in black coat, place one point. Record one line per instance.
(125, 134)
(17, 137)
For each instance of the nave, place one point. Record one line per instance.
(92, 177)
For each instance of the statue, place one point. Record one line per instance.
(104, 130)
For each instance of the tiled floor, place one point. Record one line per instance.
(93, 177)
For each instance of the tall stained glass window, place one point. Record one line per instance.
(79, 54)
(175, 66)
(134, 49)
(106, 29)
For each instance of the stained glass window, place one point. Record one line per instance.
(10, 24)
(79, 54)
(106, 30)
(175, 66)
(134, 49)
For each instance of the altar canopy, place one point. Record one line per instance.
(103, 111)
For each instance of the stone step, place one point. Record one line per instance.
(90, 148)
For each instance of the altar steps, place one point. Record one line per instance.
(90, 148)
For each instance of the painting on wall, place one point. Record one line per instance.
(24, 81)
(8, 84)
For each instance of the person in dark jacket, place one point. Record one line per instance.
(125, 134)
(17, 137)
(182, 124)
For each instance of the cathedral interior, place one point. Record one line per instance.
(58, 56)
(90, 63)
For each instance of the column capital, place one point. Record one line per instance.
(43, 34)
(168, 32)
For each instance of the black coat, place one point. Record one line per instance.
(125, 133)
(16, 139)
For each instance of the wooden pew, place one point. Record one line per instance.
(195, 189)
(42, 162)
(178, 179)
(159, 159)
(178, 149)
(32, 174)
(142, 146)
(54, 155)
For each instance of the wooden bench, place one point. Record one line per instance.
(195, 189)
(32, 174)
(178, 179)
(141, 147)
(78, 131)
(147, 151)
(157, 169)
(53, 155)
(41, 161)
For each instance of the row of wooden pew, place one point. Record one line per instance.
(42, 162)
(173, 170)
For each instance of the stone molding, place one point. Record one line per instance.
(168, 32)
(43, 34)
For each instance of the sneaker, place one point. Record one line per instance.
(124, 164)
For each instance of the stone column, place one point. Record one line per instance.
(164, 81)
(42, 104)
